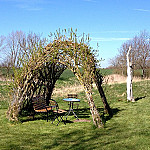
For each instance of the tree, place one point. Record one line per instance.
(13, 48)
(17, 45)
(2, 39)
(6, 63)
(140, 52)
(129, 77)
(118, 64)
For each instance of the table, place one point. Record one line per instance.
(71, 100)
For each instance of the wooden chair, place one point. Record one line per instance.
(40, 105)
(73, 96)
(58, 112)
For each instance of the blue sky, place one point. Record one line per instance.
(109, 22)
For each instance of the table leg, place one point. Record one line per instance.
(71, 110)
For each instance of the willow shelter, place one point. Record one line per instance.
(42, 67)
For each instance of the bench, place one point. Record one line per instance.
(40, 105)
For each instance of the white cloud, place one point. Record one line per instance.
(89, 0)
(117, 31)
(30, 5)
(144, 10)
(108, 39)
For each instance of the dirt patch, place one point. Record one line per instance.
(82, 120)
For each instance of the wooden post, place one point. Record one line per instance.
(129, 77)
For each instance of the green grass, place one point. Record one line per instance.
(105, 72)
(4, 97)
(5, 72)
(68, 78)
(128, 129)
(66, 75)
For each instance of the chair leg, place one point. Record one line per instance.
(47, 116)
(63, 119)
(59, 120)
(33, 115)
(55, 118)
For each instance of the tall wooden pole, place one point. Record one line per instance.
(129, 77)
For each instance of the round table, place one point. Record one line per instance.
(71, 101)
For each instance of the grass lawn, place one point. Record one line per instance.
(128, 129)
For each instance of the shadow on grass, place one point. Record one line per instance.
(27, 118)
(106, 118)
(83, 113)
(139, 98)
(80, 139)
